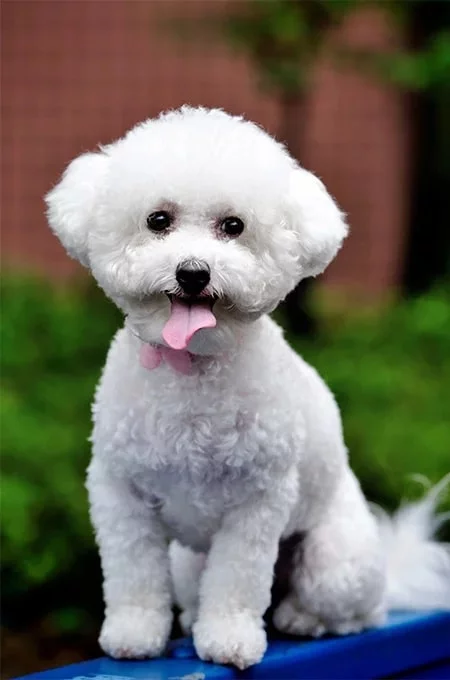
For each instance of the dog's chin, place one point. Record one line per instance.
(147, 317)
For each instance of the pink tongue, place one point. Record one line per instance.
(185, 320)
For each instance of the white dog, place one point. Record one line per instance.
(208, 429)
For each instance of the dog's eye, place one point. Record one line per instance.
(232, 226)
(159, 221)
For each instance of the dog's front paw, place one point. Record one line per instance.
(135, 632)
(238, 639)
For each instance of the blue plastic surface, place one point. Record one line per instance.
(409, 646)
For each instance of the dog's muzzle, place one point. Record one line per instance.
(193, 276)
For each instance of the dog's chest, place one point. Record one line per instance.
(195, 459)
(193, 448)
(208, 447)
(192, 502)
(201, 429)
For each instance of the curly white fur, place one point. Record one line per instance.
(248, 449)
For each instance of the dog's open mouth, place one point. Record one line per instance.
(187, 316)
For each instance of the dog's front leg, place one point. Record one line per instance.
(135, 565)
(236, 584)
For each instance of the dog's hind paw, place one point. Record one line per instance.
(237, 639)
(288, 618)
(135, 633)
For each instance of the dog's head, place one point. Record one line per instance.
(192, 219)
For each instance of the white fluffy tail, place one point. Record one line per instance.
(418, 566)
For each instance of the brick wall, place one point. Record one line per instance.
(76, 73)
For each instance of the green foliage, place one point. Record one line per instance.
(387, 371)
(284, 38)
(421, 70)
(388, 374)
(53, 346)
(429, 68)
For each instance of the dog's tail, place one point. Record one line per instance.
(418, 566)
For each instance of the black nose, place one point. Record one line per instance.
(193, 276)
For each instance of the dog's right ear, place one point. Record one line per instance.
(316, 220)
(71, 203)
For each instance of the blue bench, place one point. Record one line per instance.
(408, 646)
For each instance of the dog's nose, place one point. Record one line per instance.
(193, 276)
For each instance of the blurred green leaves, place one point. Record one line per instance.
(281, 38)
(421, 70)
(53, 347)
(284, 38)
(389, 372)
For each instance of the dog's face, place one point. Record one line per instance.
(193, 220)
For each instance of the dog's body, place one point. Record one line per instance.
(218, 436)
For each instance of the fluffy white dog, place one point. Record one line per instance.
(208, 429)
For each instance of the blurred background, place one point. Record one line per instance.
(359, 91)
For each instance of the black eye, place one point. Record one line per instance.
(159, 221)
(232, 226)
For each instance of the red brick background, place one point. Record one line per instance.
(79, 72)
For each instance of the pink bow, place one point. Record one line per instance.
(179, 359)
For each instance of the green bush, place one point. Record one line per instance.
(53, 347)
(387, 371)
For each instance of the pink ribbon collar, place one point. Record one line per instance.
(151, 357)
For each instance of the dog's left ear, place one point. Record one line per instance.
(72, 201)
(316, 220)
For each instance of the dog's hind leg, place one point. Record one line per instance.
(186, 568)
(338, 577)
